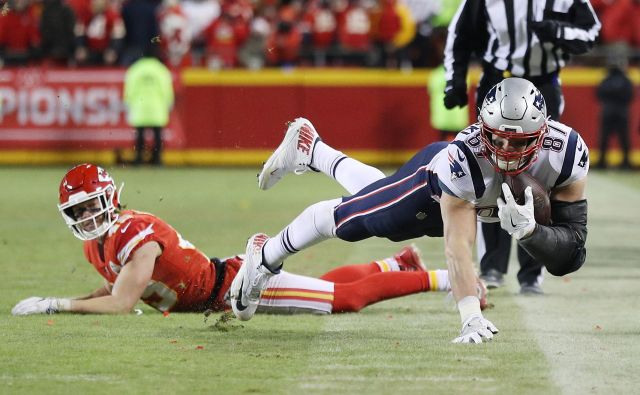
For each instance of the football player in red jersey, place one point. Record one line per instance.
(142, 257)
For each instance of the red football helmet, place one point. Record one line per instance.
(82, 184)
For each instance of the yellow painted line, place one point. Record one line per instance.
(305, 77)
(221, 157)
(361, 77)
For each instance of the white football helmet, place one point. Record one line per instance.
(514, 121)
(81, 184)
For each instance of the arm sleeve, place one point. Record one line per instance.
(467, 33)
(577, 37)
(561, 246)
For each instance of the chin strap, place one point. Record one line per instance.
(120, 190)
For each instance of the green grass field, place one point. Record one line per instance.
(583, 337)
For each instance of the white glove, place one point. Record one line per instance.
(517, 220)
(38, 305)
(475, 329)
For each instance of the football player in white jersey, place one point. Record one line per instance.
(441, 191)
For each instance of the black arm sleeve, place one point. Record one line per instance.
(560, 247)
(467, 34)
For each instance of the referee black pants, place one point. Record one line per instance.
(496, 241)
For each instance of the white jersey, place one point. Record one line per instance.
(463, 171)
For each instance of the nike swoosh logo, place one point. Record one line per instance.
(239, 304)
(512, 224)
(460, 157)
(125, 228)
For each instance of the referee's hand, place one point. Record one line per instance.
(547, 30)
(455, 95)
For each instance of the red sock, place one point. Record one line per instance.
(349, 273)
(353, 296)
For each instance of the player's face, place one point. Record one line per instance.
(86, 210)
(510, 145)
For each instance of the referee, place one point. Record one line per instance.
(532, 39)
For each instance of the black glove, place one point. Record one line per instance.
(547, 30)
(455, 95)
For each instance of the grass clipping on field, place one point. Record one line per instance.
(224, 323)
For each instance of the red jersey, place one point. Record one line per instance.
(355, 28)
(101, 28)
(183, 277)
(19, 31)
(222, 40)
(323, 26)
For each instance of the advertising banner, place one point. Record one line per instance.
(68, 109)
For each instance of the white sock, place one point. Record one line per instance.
(388, 265)
(350, 173)
(313, 225)
(439, 280)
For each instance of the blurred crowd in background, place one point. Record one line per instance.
(223, 34)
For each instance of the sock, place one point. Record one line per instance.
(349, 273)
(350, 173)
(439, 280)
(388, 265)
(312, 226)
(353, 296)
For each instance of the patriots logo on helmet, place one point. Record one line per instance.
(491, 95)
(538, 101)
(456, 169)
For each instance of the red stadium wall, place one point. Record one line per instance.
(237, 117)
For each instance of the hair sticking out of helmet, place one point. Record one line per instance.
(88, 201)
(513, 120)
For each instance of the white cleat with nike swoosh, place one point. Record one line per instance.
(293, 155)
(251, 279)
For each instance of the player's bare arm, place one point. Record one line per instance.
(128, 287)
(459, 219)
(101, 291)
(570, 193)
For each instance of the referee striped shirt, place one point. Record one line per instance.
(500, 33)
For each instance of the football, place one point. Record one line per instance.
(541, 202)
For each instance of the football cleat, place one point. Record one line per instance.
(533, 288)
(293, 155)
(493, 279)
(250, 280)
(409, 259)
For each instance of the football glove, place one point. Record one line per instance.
(38, 305)
(455, 95)
(517, 220)
(476, 329)
(547, 30)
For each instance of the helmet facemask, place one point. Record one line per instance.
(522, 153)
(102, 210)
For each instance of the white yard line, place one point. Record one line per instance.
(588, 324)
